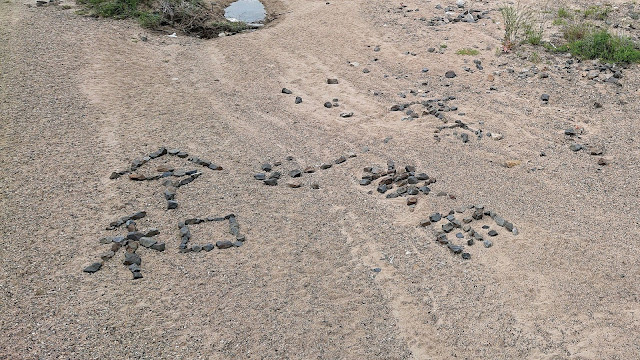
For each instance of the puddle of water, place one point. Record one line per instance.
(249, 11)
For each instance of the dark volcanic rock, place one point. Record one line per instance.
(93, 268)
(224, 244)
(450, 74)
(132, 258)
(287, 91)
(159, 246)
(271, 182)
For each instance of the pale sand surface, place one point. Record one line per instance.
(79, 99)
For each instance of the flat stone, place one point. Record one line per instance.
(266, 167)
(544, 97)
(340, 160)
(412, 200)
(448, 227)
(214, 167)
(325, 166)
(134, 235)
(93, 267)
(182, 154)
(466, 228)
(159, 246)
(196, 248)
(287, 91)
(275, 175)
(295, 173)
(328, 105)
(488, 244)
(271, 182)
(466, 256)
(137, 275)
(456, 249)
(152, 232)
(315, 186)
(435, 217)
(137, 177)
(310, 169)
(470, 242)
(298, 100)
(346, 114)
(459, 235)
(172, 204)
(114, 175)
(508, 226)
(499, 220)
(492, 233)
(575, 147)
(224, 244)
(382, 188)
(293, 184)
(425, 223)
(146, 241)
(332, 81)
(208, 247)
(132, 258)
(365, 182)
(450, 74)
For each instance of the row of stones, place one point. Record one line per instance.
(406, 179)
(269, 177)
(185, 234)
(131, 243)
(160, 152)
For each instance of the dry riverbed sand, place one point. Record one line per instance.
(339, 272)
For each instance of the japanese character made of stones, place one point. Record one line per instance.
(185, 234)
(472, 235)
(166, 173)
(131, 242)
(134, 240)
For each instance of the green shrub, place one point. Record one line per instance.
(577, 31)
(564, 13)
(597, 12)
(602, 45)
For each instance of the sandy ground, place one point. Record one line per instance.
(80, 98)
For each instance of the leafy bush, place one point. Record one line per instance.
(605, 46)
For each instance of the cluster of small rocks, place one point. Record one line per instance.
(606, 73)
(166, 172)
(131, 242)
(464, 136)
(436, 107)
(405, 181)
(572, 134)
(478, 213)
(456, 14)
(185, 234)
(270, 177)
(298, 99)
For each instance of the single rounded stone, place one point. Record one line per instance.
(208, 247)
(224, 244)
(466, 256)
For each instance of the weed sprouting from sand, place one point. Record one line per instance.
(468, 52)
